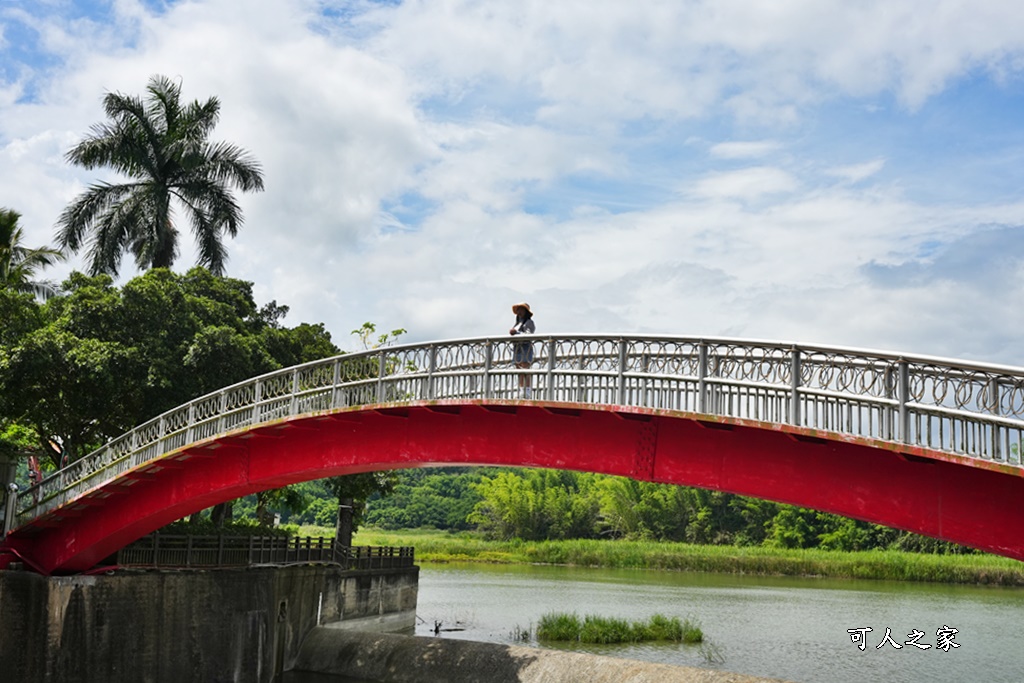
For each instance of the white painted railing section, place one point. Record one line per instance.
(968, 409)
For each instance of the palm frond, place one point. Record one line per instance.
(18, 263)
(81, 214)
(199, 120)
(106, 244)
(42, 289)
(164, 102)
(227, 163)
(212, 253)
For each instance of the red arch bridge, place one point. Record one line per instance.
(924, 444)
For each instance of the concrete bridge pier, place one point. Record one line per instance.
(170, 626)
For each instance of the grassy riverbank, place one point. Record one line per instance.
(439, 546)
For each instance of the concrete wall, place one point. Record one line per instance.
(156, 627)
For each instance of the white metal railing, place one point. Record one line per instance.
(965, 408)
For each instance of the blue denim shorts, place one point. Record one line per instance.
(523, 352)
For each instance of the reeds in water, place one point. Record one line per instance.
(568, 627)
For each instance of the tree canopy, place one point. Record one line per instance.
(97, 360)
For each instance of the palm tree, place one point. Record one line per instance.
(18, 263)
(162, 147)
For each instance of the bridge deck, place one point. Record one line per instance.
(967, 414)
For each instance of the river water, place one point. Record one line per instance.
(789, 628)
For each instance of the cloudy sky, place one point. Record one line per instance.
(847, 173)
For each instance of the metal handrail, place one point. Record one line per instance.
(959, 407)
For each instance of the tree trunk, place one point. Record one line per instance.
(263, 515)
(343, 530)
(221, 513)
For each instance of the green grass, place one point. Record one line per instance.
(566, 627)
(559, 626)
(440, 546)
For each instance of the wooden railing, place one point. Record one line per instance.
(185, 552)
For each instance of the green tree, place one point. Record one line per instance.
(793, 527)
(97, 360)
(162, 146)
(288, 498)
(537, 505)
(17, 440)
(321, 512)
(352, 492)
(220, 356)
(637, 509)
(507, 507)
(73, 390)
(441, 498)
(20, 264)
(842, 533)
(20, 314)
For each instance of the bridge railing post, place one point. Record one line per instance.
(794, 387)
(645, 393)
(904, 391)
(162, 435)
(431, 369)
(222, 407)
(336, 399)
(257, 396)
(381, 370)
(190, 433)
(550, 387)
(488, 359)
(581, 380)
(993, 390)
(621, 398)
(702, 377)
(134, 445)
(294, 402)
(888, 417)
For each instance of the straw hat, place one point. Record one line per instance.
(516, 307)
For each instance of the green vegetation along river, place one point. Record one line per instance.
(435, 546)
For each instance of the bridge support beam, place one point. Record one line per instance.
(926, 492)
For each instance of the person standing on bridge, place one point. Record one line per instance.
(522, 353)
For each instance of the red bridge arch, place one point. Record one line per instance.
(954, 498)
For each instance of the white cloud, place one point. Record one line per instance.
(429, 163)
(855, 173)
(744, 150)
(745, 184)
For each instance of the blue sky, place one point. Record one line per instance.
(846, 173)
